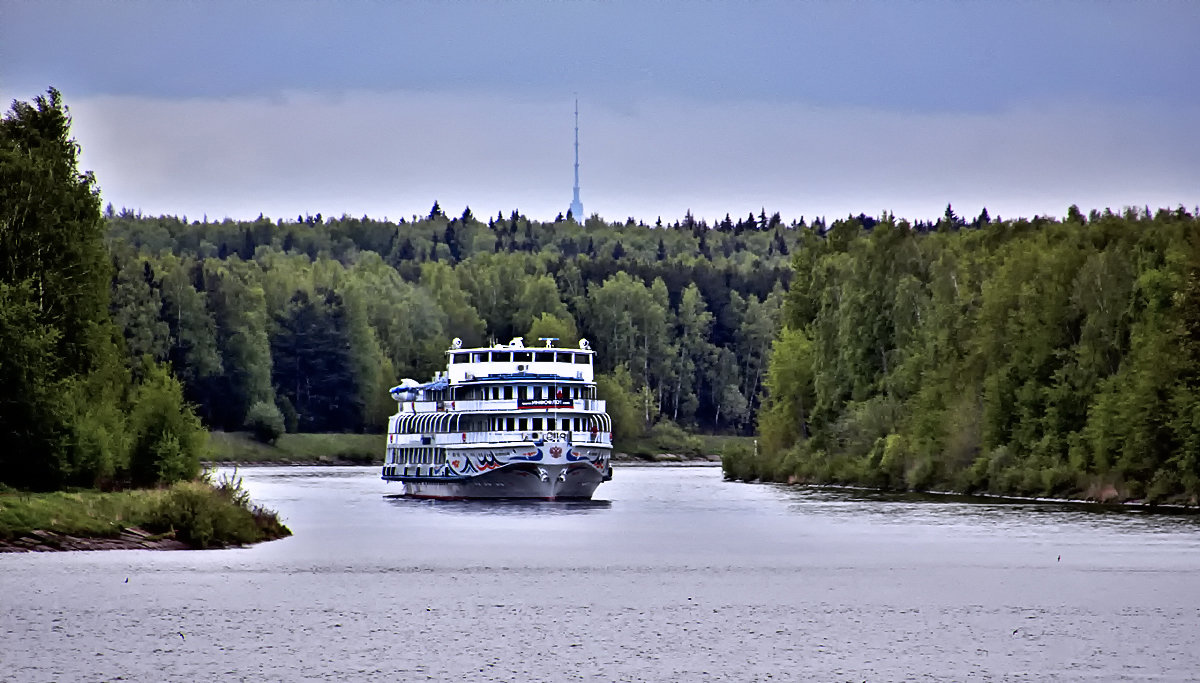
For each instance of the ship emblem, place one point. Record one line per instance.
(454, 463)
(555, 452)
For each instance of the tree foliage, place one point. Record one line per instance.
(308, 313)
(1020, 357)
(71, 412)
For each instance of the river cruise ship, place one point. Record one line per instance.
(506, 421)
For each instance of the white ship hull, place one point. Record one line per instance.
(543, 482)
(541, 470)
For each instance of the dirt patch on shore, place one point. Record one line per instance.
(130, 539)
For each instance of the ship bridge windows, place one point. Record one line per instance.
(479, 357)
(544, 357)
(583, 359)
(501, 356)
(508, 393)
(522, 356)
(460, 357)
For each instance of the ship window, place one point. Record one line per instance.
(581, 358)
(458, 357)
(522, 356)
(481, 357)
(523, 423)
(563, 357)
(510, 425)
(544, 356)
(508, 393)
(537, 393)
(501, 356)
(578, 427)
(522, 393)
(537, 424)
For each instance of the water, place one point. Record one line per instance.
(672, 574)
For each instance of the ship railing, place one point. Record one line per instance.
(498, 438)
(590, 405)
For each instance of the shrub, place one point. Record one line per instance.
(204, 515)
(266, 422)
(667, 437)
(168, 440)
(737, 462)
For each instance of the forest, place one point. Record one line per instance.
(1023, 357)
(309, 321)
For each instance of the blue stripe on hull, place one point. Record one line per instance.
(548, 482)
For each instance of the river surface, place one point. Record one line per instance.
(670, 575)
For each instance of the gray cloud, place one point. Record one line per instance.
(394, 153)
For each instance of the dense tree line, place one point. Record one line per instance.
(314, 318)
(77, 407)
(1038, 357)
(1021, 356)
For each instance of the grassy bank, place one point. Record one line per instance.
(198, 514)
(667, 443)
(796, 466)
(241, 447)
(660, 444)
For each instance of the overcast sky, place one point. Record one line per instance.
(806, 108)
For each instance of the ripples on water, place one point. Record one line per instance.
(985, 515)
(670, 574)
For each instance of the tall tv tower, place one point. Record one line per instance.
(576, 205)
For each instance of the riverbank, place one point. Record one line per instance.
(188, 515)
(241, 449)
(1094, 494)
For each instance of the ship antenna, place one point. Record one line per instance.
(548, 340)
(576, 205)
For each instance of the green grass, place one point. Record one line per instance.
(666, 442)
(242, 447)
(92, 514)
(199, 513)
(719, 444)
(368, 448)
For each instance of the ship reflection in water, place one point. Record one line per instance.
(501, 506)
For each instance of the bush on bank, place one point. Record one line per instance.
(204, 515)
